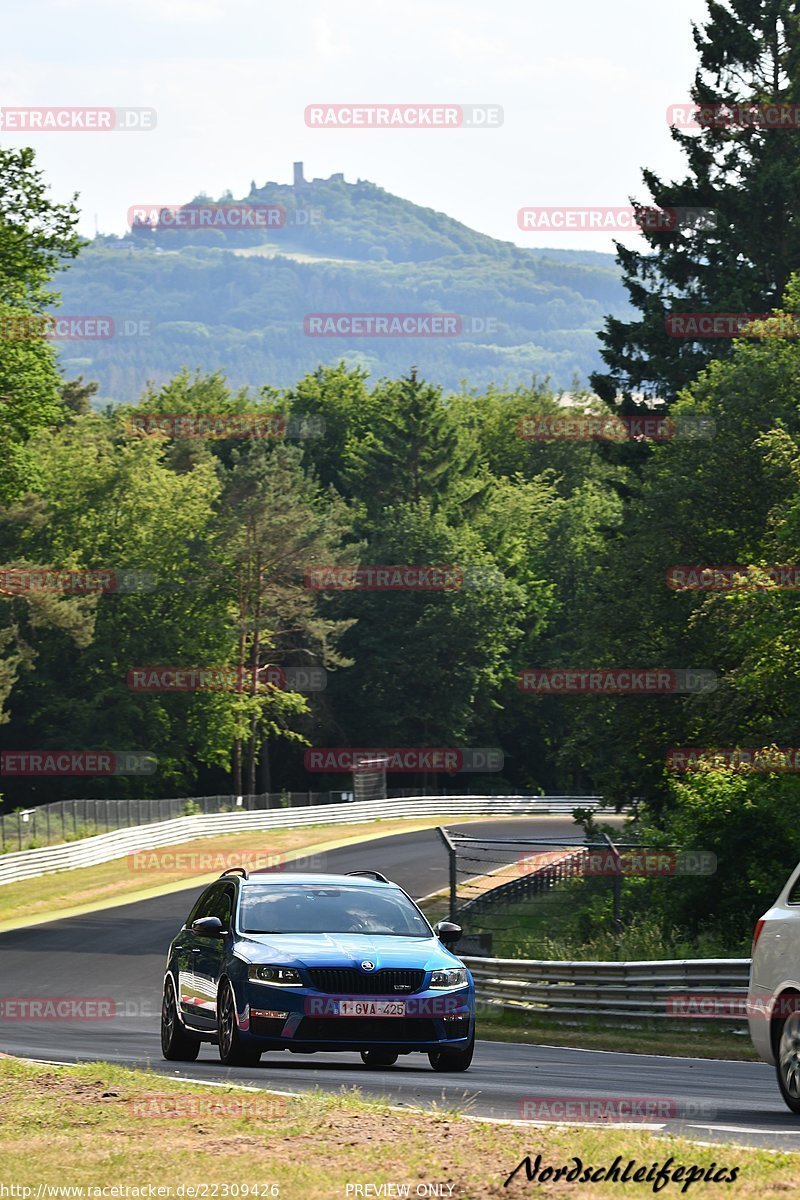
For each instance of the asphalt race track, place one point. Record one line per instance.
(119, 953)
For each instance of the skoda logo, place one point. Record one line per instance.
(367, 965)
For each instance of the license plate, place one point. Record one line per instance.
(372, 1008)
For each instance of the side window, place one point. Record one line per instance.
(216, 901)
(222, 906)
(794, 894)
(205, 905)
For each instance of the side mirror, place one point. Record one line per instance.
(447, 932)
(208, 927)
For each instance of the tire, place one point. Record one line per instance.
(452, 1060)
(787, 1061)
(378, 1058)
(176, 1044)
(232, 1052)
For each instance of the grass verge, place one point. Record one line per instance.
(99, 1125)
(574, 922)
(670, 1037)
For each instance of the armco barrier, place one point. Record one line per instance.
(28, 864)
(70, 820)
(614, 990)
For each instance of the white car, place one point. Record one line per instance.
(774, 992)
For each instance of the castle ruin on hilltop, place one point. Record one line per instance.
(300, 181)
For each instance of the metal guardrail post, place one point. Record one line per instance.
(617, 893)
(453, 873)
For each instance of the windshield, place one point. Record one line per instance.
(317, 908)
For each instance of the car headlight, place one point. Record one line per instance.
(277, 976)
(453, 977)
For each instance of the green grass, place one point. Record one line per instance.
(574, 922)
(100, 1125)
(673, 1037)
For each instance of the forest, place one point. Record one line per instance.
(650, 529)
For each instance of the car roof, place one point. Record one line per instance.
(279, 877)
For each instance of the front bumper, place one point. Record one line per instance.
(301, 1019)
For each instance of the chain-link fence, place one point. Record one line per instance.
(69, 820)
(564, 897)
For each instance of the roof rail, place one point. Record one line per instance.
(243, 871)
(372, 874)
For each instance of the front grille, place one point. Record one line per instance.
(349, 981)
(366, 1029)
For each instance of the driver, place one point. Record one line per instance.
(362, 921)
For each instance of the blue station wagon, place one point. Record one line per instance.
(276, 961)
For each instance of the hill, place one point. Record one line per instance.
(235, 299)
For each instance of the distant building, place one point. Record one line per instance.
(301, 181)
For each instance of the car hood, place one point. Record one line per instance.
(344, 950)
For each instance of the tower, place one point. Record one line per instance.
(298, 175)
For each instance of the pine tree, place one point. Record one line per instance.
(415, 453)
(748, 174)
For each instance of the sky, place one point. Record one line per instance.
(584, 89)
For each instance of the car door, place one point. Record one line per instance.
(193, 965)
(209, 952)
